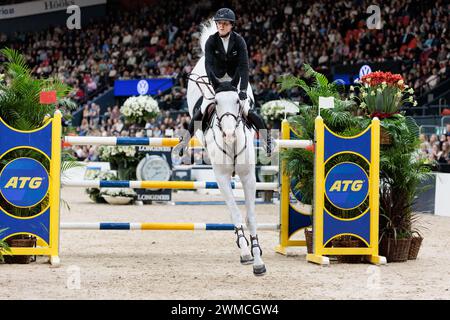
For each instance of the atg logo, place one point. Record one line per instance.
(347, 185)
(24, 182)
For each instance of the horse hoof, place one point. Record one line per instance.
(248, 259)
(259, 270)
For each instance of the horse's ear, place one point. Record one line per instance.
(235, 80)
(214, 81)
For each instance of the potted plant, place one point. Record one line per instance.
(341, 119)
(137, 110)
(118, 195)
(121, 158)
(21, 109)
(94, 193)
(382, 94)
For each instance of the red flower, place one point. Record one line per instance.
(378, 77)
(383, 115)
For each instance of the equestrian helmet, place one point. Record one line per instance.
(225, 14)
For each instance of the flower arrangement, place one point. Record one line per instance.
(118, 196)
(107, 153)
(382, 94)
(139, 109)
(94, 193)
(118, 192)
(121, 158)
(274, 110)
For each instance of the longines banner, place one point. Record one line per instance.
(45, 6)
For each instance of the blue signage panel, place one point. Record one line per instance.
(142, 87)
(24, 182)
(347, 185)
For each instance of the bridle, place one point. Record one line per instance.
(239, 120)
(201, 80)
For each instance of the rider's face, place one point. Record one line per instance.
(224, 27)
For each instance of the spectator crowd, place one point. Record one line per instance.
(436, 149)
(162, 40)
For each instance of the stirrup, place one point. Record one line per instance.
(236, 230)
(255, 245)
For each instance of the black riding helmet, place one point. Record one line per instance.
(225, 14)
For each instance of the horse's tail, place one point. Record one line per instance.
(208, 28)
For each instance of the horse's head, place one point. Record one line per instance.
(228, 108)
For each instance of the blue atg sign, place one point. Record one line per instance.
(347, 185)
(24, 182)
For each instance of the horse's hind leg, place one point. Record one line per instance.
(224, 182)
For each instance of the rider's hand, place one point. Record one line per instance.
(242, 95)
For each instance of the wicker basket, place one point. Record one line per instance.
(348, 243)
(385, 137)
(395, 250)
(416, 242)
(20, 243)
(309, 240)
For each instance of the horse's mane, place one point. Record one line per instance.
(208, 28)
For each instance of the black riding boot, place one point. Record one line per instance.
(198, 115)
(258, 122)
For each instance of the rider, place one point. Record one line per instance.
(226, 54)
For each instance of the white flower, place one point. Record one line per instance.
(352, 88)
(139, 107)
(400, 82)
(364, 94)
(415, 103)
(410, 90)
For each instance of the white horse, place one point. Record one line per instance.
(229, 143)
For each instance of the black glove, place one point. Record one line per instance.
(242, 95)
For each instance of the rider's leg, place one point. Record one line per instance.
(259, 123)
(198, 115)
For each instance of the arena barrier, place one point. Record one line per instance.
(27, 183)
(159, 226)
(190, 185)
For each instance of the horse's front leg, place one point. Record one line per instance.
(248, 180)
(223, 173)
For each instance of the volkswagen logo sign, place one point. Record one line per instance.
(142, 87)
(365, 69)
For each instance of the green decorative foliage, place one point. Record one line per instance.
(3, 247)
(340, 119)
(20, 92)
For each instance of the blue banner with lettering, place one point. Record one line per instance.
(141, 87)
